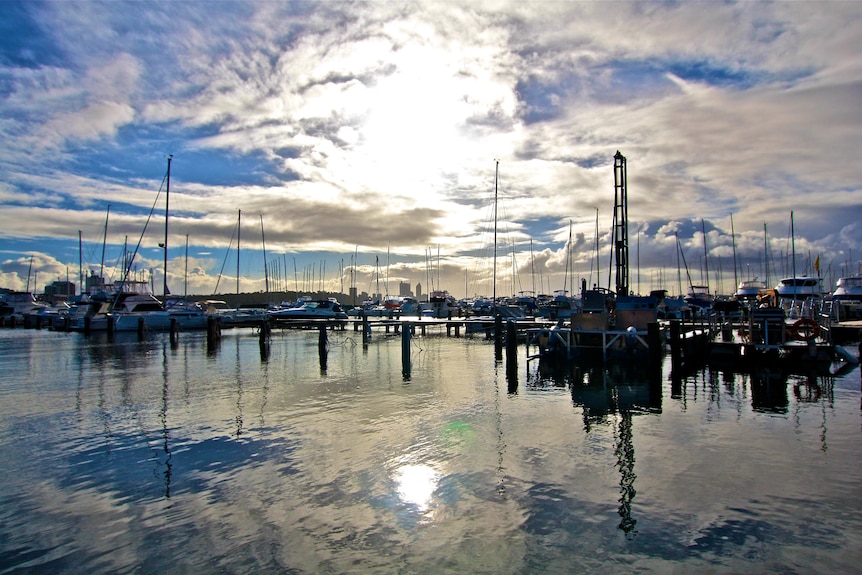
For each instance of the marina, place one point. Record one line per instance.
(155, 454)
(333, 288)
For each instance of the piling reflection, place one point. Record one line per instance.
(163, 418)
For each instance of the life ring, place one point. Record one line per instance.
(805, 329)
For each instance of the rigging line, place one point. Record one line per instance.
(128, 266)
(227, 253)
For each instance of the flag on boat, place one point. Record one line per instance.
(817, 264)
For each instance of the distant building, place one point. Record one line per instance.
(60, 288)
(95, 283)
(404, 289)
(419, 291)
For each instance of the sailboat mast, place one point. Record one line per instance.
(598, 257)
(104, 241)
(793, 250)
(80, 263)
(733, 242)
(29, 270)
(678, 264)
(466, 285)
(238, 225)
(167, 210)
(568, 257)
(265, 269)
(377, 267)
(494, 279)
(766, 255)
(705, 256)
(186, 271)
(439, 283)
(532, 268)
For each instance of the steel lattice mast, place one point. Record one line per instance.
(621, 232)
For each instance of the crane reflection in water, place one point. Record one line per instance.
(612, 393)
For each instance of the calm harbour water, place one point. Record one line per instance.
(143, 457)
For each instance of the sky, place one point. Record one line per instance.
(369, 143)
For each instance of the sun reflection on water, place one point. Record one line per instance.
(416, 484)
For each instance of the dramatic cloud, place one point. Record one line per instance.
(346, 132)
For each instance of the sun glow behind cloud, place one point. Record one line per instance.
(391, 116)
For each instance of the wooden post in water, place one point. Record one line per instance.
(366, 329)
(498, 337)
(87, 320)
(511, 341)
(654, 343)
(141, 326)
(655, 359)
(264, 331)
(322, 344)
(675, 352)
(512, 355)
(405, 352)
(213, 331)
(174, 332)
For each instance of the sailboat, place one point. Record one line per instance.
(799, 287)
(188, 314)
(133, 302)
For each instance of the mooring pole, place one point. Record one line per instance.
(322, 345)
(213, 333)
(366, 329)
(498, 337)
(264, 331)
(675, 353)
(654, 342)
(405, 351)
(512, 356)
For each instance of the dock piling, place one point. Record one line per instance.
(405, 352)
(322, 346)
